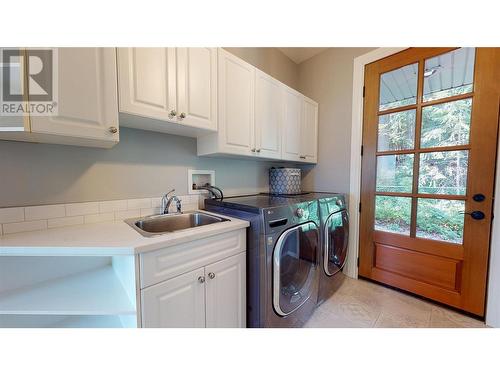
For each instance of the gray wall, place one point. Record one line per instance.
(143, 164)
(270, 60)
(327, 79)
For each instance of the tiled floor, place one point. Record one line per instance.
(359, 303)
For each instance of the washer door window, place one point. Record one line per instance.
(295, 267)
(336, 241)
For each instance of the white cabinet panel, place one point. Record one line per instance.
(226, 293)
(236, 104)
(309, 130)
(268, 115)
(292, 125)
(176, 303)
(147, 82)
(87, 104)
(197, 87)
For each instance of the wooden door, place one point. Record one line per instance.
(236, 105)
(309, 131)
(429, 141)
(175, 303)
(226, 293)
(87, 96)
(268, 116)
(197, 87)
(147, 82)
(292, 124)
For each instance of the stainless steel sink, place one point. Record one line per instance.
(155, 225)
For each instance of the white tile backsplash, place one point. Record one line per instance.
(25, 226)
(25, 219)
(64, 221)
(44, 212)
(78, 209)
(11, 215)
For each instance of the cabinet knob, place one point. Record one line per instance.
(113, 129)
(211, 275)
(182, 116)
(201, 279)
(172, 114)
(253, 150)
(258, 150)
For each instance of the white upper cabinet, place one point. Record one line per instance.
(236, 105)
(309, 131)
(197, 87)
(87, 103)
(147, 82)
(292, 124)
(268, 116)
(171, 90)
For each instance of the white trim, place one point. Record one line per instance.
(351, 267)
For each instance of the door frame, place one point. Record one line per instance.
(351, 267)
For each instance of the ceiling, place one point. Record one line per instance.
(299, 54)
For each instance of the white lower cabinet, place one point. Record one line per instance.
(226, 293)
(213, 296)
(200, 283)
(178, 302)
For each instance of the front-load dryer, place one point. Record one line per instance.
(334, 222)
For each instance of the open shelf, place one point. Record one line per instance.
(95, 292)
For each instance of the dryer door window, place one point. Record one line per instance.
(335, 242)
(295, 267)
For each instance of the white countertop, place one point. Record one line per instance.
(104, 239)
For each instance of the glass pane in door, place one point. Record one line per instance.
(398, 87)
(440, 219)
(449, 74)
(443, 172)
(396, 131)
(393, 214)
(446, 124)
(395, 173)
(295, 266)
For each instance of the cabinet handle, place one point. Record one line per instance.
(113, 129)
(182, 116)
(211, 275)
(201, 279)
(253, 150)
(172, 114)
(302, 157)
(258, 150)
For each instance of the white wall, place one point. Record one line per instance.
(327, 79)
(493, 298)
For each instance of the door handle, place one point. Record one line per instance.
(476, 215)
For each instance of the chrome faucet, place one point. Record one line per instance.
(166, 202)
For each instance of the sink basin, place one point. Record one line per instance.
(159, 224)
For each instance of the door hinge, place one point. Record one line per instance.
(357, 262)
(363, 91)
(361, 150)
(359, 208)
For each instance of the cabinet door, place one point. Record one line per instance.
(197, 87)
(268, 116)
(226, 292)
(236, 104)
(292, 121)
(87, 103)
(309, 131)
(147, 82)
(175, 303)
